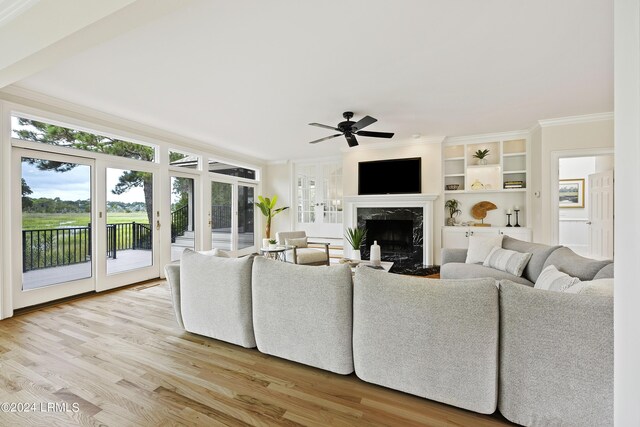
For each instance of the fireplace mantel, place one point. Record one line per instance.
(424, 201)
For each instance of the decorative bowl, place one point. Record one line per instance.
(452, 186)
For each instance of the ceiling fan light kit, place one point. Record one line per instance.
(350, 129)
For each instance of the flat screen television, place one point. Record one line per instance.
(397, 176)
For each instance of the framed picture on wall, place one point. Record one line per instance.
(571, 193)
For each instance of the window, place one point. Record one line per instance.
(183, 160)
(47, 133)
(319, 192)
(231, 170)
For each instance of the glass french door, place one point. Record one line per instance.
(53, 219)
(80, 225)
(130, 224)
(183, 215)
(232, 217)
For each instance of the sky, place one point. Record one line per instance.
(74, 184)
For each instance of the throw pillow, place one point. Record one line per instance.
(298, 243)
(551, 279)
(215, 252)
(592, 287)
(480, 247)
(505, 260)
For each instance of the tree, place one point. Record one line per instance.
(34, 130)
(26, 190)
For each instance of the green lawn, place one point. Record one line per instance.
(38, 221)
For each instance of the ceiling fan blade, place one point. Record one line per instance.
(375, 134)
(324, 139)
(324, 126)
(363, 123)
(351, 139)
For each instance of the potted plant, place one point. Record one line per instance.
(355, 237)
(453, 206)
(273, 243)
(481, 155)
(268, 208)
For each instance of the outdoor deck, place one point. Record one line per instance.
(126, 260)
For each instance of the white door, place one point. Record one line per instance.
(601, 215)
(53, 227)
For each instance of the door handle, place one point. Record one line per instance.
(588, 222)
(158, 225)
(471, 233)
(466, 234)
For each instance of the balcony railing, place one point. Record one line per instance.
(55, 247)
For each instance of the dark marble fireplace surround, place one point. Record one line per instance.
(400, 236)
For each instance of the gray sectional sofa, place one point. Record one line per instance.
(540, 357)
(454, 266)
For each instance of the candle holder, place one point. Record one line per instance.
(516, 211)
(509, 220)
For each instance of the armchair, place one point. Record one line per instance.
(301, 254)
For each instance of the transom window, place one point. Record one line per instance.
(48, 133)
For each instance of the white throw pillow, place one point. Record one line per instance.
(215, 252)
(505, 260)
(480, 247)
(592, 287)
(298, 243)
(551, 279)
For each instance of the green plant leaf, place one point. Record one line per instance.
(274, 200)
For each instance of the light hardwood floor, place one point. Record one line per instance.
(123, 359)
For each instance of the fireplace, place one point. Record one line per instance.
(397, 230)
(401, 223)
(395, 236)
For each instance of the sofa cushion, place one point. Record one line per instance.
(575, 265)
(505, 260)
(215, 297)
(300, 242)
(539, 254)
(553, 280)
(480, 247)
(308, 255)
(436, 339)
(605, 272)
(602, 287)
(556, 357)
(459, 270)
(304, 313)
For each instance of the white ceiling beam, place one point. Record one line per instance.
(51, 31)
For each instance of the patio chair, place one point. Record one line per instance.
(300, 252)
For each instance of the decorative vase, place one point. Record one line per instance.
(482, 162)
(374, 254)
(356, 254)
(265, 243)
(273, 246)
(451, 222)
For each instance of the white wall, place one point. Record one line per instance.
(277, 180)
(557, 138)
(431, 176)
(627, 226)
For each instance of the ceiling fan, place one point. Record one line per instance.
(350, 129)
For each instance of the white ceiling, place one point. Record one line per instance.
(249, 75)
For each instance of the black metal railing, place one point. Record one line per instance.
(220, 216)
(179, 222)
(56, 247)
(130, 235)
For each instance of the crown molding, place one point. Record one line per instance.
(570, 120)
(487, 137)
(32, 99)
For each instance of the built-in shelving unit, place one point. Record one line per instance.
(497, 180)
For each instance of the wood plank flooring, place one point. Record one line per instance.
(120, 359)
